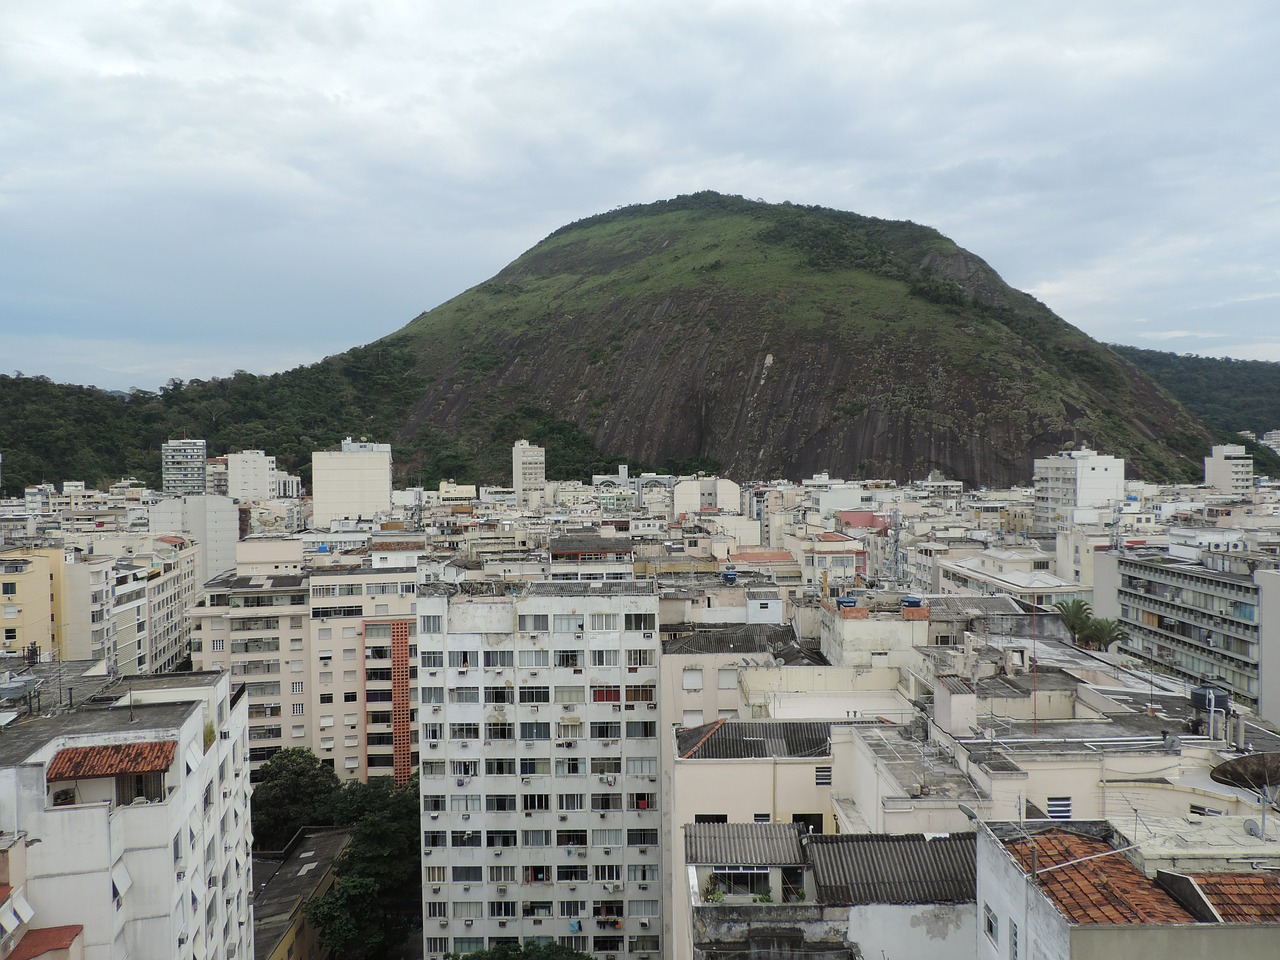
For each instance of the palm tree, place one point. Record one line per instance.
(1101, 634)
(1076, 616)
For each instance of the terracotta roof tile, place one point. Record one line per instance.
(1106, 889)
(1242, 897)
(40, 940)
(109, 760)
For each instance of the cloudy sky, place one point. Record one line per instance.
(190, 188)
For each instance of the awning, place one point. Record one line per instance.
(9, 919)
(120, 877)
(193, 758)
(22, 908)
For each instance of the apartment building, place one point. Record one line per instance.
(328, 658)
(130, 833)
(1195, 613)
(540, 792)
(528, 473)
(1071, 479)
(183, 467)
(1229, 470)
(251, 475)
(352, 482)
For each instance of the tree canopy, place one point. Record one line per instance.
(295, 790)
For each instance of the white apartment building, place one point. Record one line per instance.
(251, 475)
(130, 822)
(540, 767)
(1229, 470)
(182, 466)
(691, 495)
(351, 483)
(528, 473)
(1075, 478)
(211, 521)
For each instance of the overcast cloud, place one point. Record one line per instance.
(190, 188)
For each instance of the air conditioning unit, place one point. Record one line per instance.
(444, 923)
(648, 636)
(651, 706)
(617, 708)
(435, 816)
(466, 816)
(533, 708)
(497, 853)
(464, 743)
(434, 744)
(653, 779)
(435, 889)
(645, 924)
(644, 849)
(435, 709)
(608, 849)
(526, 781)
(643, 886)
(502, 923)
(468, 923)
(502, 888)
(603, 814)
(224, 735)
(528, 813)
(566, 707)
(564, 817)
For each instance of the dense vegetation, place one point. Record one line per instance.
(1231, 394)
(705, 332)
(376, 899)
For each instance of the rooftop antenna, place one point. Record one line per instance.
(1259, 772)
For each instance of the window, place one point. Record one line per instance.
(1013, 941)
(433, 803)
(571, 694)
(640, 658)
(433, 838)
(642, 908)
(606, 838)
(642, 729)
(567, 623)
(499, 730)
(606, 872)
(822, 776)
(606, 731)
(711, 818)
(468, 874)
(298, 709)
(1058, 808)
(604, 621)
(641, 621)
(534, 658)
(535, 694)
(1199, 810)
(533, 623)
(465, 838)
(350, 696)
(433, 694)
(540, 730)
(326, 698)
(499, 658)
(500, 767)
(468, 909)
(536, 801)
(500, 838)
(642, 871)
(692, 678)
(727, 678)
(642, 766)
(537, 873)
(762, 818)
(990, 924)
(606, 765)
(569, 658)
(569, 801)
(462, 659)
(642, 838)
(296, 686)
(431, 659)
(535, 766)
(572, 873)
(604, 658)
(499, 695)
(464, 695)
(606, 694)
(569, 766)
(464, 802)
(642, 693)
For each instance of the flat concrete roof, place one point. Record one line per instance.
(20, 740)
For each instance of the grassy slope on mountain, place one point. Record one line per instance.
(777, 339)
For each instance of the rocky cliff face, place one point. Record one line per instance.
(675, 332)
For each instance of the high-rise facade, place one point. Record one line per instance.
(540, 794)
(1074, 479)
(351, 483)
(1229, 470)
(182, 467)
(528, 472)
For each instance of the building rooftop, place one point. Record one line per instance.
(20, 740)
(111, 760)
(1105, 889)
(754, 739)
(284, 885)
(906, 868)
(744, 844)
(1242, 897)
(771, 640)
(915, 763)
(40, 941)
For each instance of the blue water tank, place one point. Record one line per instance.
(730, 575)
(846, 601)
(323, 548)
(910, 601)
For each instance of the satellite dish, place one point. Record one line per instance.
(1252, 828)
(1259, 772)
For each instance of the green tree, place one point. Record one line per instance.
(295, 790)
(531, 951)
(349, 918)
(1076, 615)
(1100, 634)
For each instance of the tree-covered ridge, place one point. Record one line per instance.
(1231, 394)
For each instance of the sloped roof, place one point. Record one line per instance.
(42, 940)
(1106, 889)
(884, 868)
(110, 760)
(1242, 897)
(744, 844)
(754, 739)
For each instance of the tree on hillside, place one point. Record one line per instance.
(1101, 634)
(530, 951)
(1076, 615)
(294, 790)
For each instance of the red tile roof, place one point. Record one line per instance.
(1242, 897)
(1106, 889)
(109, 760)
(41, 940)
(5, 890)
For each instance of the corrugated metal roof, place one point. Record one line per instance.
(907, 868)
(955, 684)
(744, 844)
(110, 760)
(754, 739)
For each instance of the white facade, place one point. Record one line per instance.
(540, 746)
(1229, 470)
(528, 473)
(1075, 478)
(154, 865)
(251, 475)
(211, 521)
(354, 482)
(182, 466)
(689, 496)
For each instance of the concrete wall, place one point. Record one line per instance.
(1269, 645)
(908, 931)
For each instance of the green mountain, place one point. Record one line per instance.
(704, 332)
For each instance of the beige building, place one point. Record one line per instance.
(528, 473)
(351, 483)
(1229, 470)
